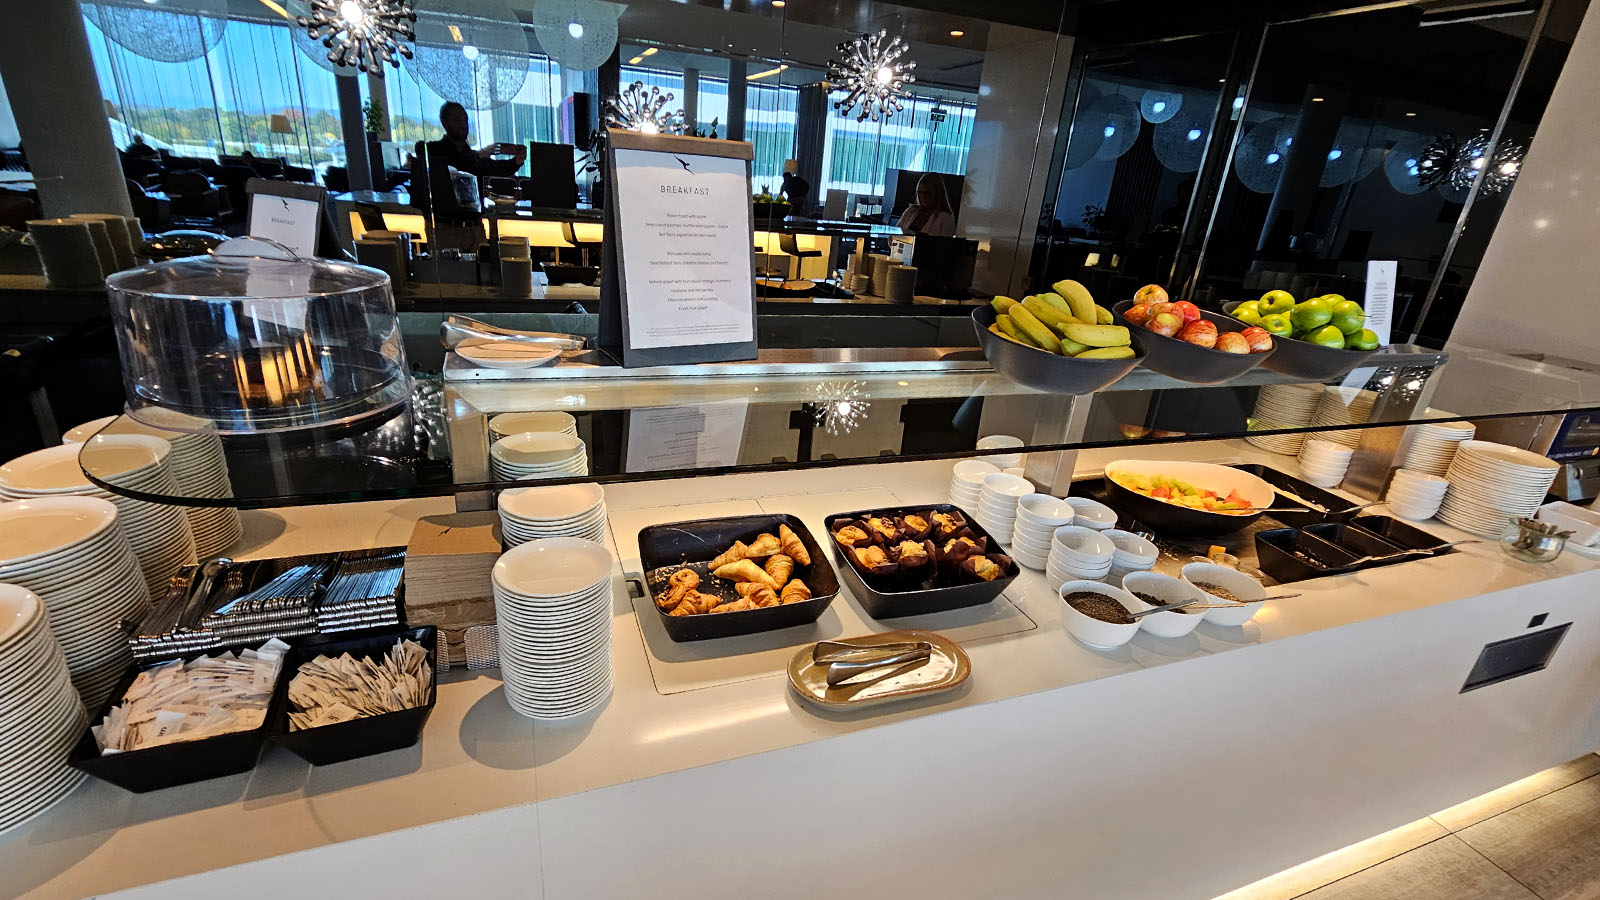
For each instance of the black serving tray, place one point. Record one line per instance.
(185, 762)
(1326, 499)
(1397, 532)
(1275, 553)
(1184, 361)
(664, 549)
(890, 597)
(359, 737)
(1358, 541)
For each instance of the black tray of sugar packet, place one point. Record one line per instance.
(367, 735)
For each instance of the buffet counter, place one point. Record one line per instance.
(1165, 768)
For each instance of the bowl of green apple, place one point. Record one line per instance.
(1319, 338)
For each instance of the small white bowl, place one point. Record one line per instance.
(1323, 481)
(999, 442)
(1092, 631)
(999, 484)
(1057, 574)
(1028, 542)
(1092, 514)
(1241, 585)
(1047, 510)
(1027, 559)
(1130, 550)
(1084, 546)
(1166, 589)
(971, 472)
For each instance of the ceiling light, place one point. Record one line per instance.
(636, 60)
(1411, 115)
(575, 29)
(958, 34)
(649, 51)
(1316, 99)
(779, 4)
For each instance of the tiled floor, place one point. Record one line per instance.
(1537, 839)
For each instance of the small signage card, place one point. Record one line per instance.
(678, 284)
(1379, 305)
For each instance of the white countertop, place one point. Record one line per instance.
(477, 756)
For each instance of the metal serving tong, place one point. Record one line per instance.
(1415, 551)
(457, 328)
(846, 661)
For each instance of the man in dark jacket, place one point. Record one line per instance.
(439, 164)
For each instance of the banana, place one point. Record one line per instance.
(1102, 316)
(996, 329)
(1010, 330)
(1107, 353)
(1048, 314)
(1037, 332)
(1079, 298)
(1002, 304)
(1099, 335)
(1060, 304)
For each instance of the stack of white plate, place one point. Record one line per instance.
(1038, 517)
(1281, 406)
(1324, 463)
(1415, 495)
(1078, 554)
(997, 504)
(1132, 553)
(87, 430)
(158, 532)
(507, 424)
(966, 482)
(199, 467)
(1491, 484)
(538, 454)
(1343, 406)
(560, 510)
(1433, 444)
(41, 716)
(71, 552)
(552, 599)
(1092, 514)
(1010, 457)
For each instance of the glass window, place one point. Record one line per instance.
(933, 133)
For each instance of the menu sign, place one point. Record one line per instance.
(1379, 305)
(679, 279)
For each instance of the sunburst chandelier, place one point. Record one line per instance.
(872, 75)
(362, 34)
(840, 406)
(636, 109)
(1498, 169)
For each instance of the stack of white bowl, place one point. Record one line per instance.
(559, 510)
(538, 454)
(158, 532)
(1281, 406)
(997, 504)
(1434, 444)
(1132, 553)
(1324, 463)
(1416, 495)
(1078, 554)
(1343, 406)
(507, 424)
(1491, 484)
(552, 599)
(966, 482)
(71, 552)
(41, 716)
(199, 467)
(1092, 513)
(1038, 517)
(1010, 456)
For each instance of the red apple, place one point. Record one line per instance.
(1201, 333)
(1259, 338)
(1165, 323)
(1232, 342)
(1191, 313)
(1162, 306)
(1137, 313)
(1150, 293)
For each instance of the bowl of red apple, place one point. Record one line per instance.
(1188, 343)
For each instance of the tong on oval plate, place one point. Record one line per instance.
(845, 661)
(457, 328)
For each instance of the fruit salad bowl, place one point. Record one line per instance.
(1194, 363)
(1148, 491)
(1046, 371)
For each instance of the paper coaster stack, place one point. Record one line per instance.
(553, 608)
(41, 716)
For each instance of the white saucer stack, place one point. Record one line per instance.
(997, 504)
(1324, 463)
(1010, 447)
(87, 430)
(531, 455)
(158, 532)
(41, 716)
(552, 599)
(1434, 444)
(1078, 554)
(1280, 406)
(560, 510)
(1415, 495)
(1343, 406)
(506, 424)
(1491, 484)
(71, 552)
(199, 467)
(966, 482)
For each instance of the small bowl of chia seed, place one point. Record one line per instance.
(1097, 614)
(1155, 589)
(1226, 585)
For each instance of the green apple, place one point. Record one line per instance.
(1365, 339)
(1348, 316)
(1277, 324)
(1327, 336)
(1333, 299)
(1249, 316)
(1311, 315)
(1247, 306)
(1275, 302)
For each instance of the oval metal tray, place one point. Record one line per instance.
(946, 669)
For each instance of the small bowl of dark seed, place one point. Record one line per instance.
(1226, 585)
(1155, 589)
(1098, 614)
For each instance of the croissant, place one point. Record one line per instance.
(764, 545)
(745, 570)
(678, 588)
(739, 605)
(750, 588)
(685, 576)
(733, 554)
(780, 567)
(686, 608)
(795, 592)
(848, 536)
(764, 598)
(793, 547)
